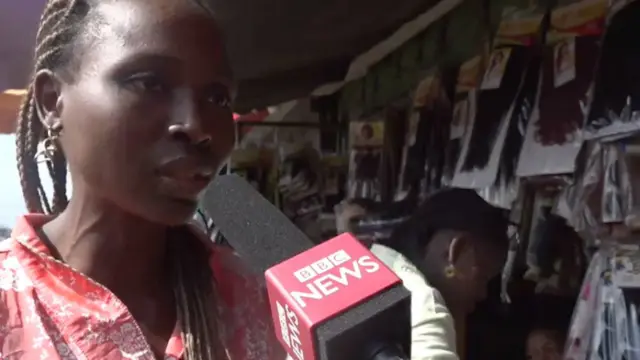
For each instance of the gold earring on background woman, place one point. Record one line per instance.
(450, 271)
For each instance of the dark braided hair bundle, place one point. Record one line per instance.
(61, 25)
(523, 108)
(617, 80)
(493, 105)
(560, 107)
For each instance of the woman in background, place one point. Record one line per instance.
(133, 98)
(445, 254)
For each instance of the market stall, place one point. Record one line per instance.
(535, 109)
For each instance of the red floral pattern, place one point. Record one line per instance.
(50, 311)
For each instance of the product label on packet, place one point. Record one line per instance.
(469, 74)
(427, 91)
(496, 69)
(626, 266)
(564, 61)
(519, 26)
(459, 121)
(582, 18)
(367, 133)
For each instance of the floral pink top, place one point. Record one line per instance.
(50, 311)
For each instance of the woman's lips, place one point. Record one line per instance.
(185, 177)
(186, 188)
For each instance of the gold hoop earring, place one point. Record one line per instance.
(450, 271)
(48, 147)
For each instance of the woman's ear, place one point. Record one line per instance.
(47, 95)
(459, 245)
(455, 249)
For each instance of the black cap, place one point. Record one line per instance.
(463, 210)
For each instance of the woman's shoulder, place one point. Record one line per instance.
(412, 278)
(397, 262)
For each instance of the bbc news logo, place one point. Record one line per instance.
(321, 266)
(284, 326)
(290, 329)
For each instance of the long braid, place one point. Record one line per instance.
(27, 167)
(53, 37)
(60, 25)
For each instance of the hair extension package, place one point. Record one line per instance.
(366, 140)
(501, 100)
(427, 134)
(469, 75)
(554, 135)
(616, 94)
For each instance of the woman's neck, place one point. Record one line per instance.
(119, 250)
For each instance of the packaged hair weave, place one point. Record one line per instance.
(424, 163)
(512, 62)
(366, 141)
(503, 105)
(569, 59)
(616, 94)
(469, 75)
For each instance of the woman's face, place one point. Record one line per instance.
(477, 264)
(541, 345)
(146, 121)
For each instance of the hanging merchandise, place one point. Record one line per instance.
(632, 162)
(603, 201)
(555, 256)
(554, 137)
(580, 343)
(581, 202)
(605, 324)
(468, 78)
(502, 104)
(300, 185)
(335, 169)
(616, 98)
(412, 157)
(616, 190)
(428, 131)
(502, 194)
(519, 119)
(366, 140)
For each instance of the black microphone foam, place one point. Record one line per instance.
(252, 225)
(371, 329)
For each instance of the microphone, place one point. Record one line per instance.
(333, 301)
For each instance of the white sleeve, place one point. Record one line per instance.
(432, 327)
(433, 334)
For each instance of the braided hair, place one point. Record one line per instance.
(61, 25)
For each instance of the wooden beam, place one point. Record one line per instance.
(10, 101)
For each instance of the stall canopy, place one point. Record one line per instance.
(280, 49)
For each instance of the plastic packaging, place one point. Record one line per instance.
(616, 190)
(615, 107)
(501, 195)
(554, 136)
(580, 340)
(605, 324)
(507, 269)
(366, 141)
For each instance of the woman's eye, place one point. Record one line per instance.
(222, 100)
(147, 83)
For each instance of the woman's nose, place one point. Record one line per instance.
(190, 135)
(187, 123)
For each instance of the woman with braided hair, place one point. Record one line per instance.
(132, 97)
